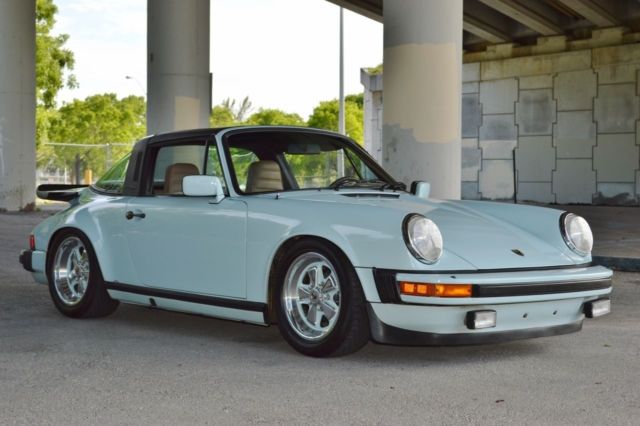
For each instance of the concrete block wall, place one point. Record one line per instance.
(570, 119)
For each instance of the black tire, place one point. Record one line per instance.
(95, 302)
(351, 330)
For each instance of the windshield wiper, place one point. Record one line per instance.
(385, 185)
(375, 183)
(343, 181)
(395, 186)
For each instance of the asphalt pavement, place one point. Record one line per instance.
(142, 366)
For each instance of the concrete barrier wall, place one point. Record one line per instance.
(572, 118)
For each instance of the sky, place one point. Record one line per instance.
(281, 53)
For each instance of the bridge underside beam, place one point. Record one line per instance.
(525, 16)
(592, 12)
(483, 30)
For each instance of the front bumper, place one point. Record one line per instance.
(498, 287)
(390, 335)
(527, 304)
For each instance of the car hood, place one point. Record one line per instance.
(487, 235)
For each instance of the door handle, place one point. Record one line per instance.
(130, 215)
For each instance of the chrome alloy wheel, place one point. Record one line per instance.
(311, 296)
(71, 271)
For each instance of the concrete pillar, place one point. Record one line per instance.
(422, 93)
(178, 83)
(372, 113)
(17, 104)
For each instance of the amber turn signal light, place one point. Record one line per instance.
(435, 290)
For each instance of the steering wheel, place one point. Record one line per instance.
(343, 180)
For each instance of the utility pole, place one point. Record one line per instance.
(341, 118)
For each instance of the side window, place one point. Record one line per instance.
(241, 159)
(172, 164)
(214, 168)
(113, 180)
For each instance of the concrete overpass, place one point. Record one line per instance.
(424, 42)
(550, 108)
(488, 22)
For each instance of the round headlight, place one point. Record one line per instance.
(423, 238)
(577, 233)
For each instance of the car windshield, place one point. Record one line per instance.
(271, 161)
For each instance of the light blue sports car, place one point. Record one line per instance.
(302, 228)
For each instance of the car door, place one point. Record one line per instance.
(182, 243)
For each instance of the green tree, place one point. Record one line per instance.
(98, 119)
(230, 112)
(53, 60)
(239, 109)
(222, 116)
(53, 65)
(357, 98)
(275, 117)
(325, 116)
(45, 154)
(378, 69)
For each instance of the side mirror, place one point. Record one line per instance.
(202, 186)
(421, 189)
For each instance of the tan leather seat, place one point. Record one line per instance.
(173, 176)
(264, 176)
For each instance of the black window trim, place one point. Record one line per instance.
(211, 140)
(134, 172)
(151, 155)
(101, 191)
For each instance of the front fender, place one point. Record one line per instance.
(370, 238)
